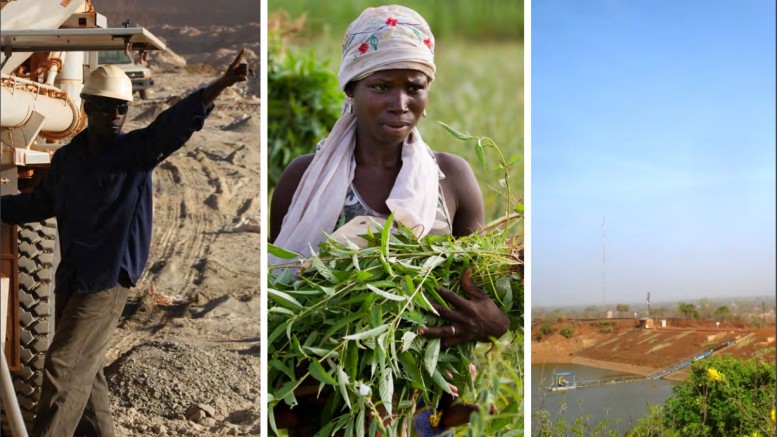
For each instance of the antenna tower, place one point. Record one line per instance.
(648, 302)
(604, 264)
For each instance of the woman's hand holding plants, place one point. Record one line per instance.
(475, 319)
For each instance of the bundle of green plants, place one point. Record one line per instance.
(349, 323)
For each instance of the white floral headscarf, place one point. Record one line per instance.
(387, 37)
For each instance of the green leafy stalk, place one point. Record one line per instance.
(482, 143)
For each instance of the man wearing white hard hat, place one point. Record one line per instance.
(99, 189)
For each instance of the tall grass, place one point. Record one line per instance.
(478, 88)
(490, 19)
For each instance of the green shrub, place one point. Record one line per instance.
(757, 322)
(304, 103)
(546, 328)
(545, 426)
(652, 425)
(605, 327)
(567, 331)
(724, 396)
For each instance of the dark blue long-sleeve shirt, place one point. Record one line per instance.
(103, 200)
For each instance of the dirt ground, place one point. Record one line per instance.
(623, 346)
(185, 357)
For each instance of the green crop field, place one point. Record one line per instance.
(482, 19)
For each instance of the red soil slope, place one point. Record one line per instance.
(627, 345)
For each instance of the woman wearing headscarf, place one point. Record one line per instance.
(375, 163)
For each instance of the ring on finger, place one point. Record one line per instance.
(453, 330)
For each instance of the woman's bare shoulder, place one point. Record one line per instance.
(465, 201)
(298, 166)
(450, 162)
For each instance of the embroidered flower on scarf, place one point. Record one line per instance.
(428, 42)
(363, 48)
(391, 21)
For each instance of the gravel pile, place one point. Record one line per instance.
(166, 379)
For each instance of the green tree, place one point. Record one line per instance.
(688, 310)
(622, 308)
(722, 312)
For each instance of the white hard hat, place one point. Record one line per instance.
(108, 81)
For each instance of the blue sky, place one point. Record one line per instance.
(658, 117)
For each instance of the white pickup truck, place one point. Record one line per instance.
(140, 75)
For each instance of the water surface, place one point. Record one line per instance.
(618, 403)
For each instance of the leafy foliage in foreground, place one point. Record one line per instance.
(349, 323)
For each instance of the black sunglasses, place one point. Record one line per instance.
(107, 107)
